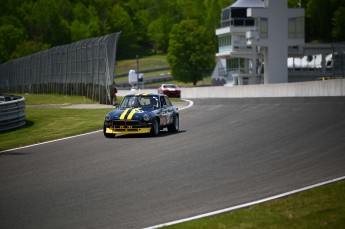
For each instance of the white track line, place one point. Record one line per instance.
(56, 140)
(191, 103)
(247, 204)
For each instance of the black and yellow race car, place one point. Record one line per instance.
(142, 114)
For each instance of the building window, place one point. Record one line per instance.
(224, 43)
(225, 19)
(235, 64)
(240, 42)
(245, 81)
(296, 28)
(263, 28)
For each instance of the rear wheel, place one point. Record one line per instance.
(107, 135)
(155, 128)
(175, 126)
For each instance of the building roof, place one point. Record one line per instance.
(248, 4)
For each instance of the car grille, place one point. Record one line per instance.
(126, 123)
(127, 130)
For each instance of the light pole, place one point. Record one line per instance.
(137, 72)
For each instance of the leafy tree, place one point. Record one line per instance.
(81, 13)
(94, 27)
(10, 36)
(27, 48)
(319, 20)
(86, 23)
(144, 23)
(193, 9)
(158, 32)
(47, 24)
(212, 14)
(79, 30)
(142, 20)
(212, 19)
(117, 19)
(338, 31)
(225, 3)
(191, 52)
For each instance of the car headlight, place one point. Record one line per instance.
(107, 118)
(146, 117)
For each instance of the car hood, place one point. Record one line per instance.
(128, 113)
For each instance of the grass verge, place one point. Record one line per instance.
(150, 62)
(49, 99)
(48, 124)
(321, 207)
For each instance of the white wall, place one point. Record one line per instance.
(305, 89)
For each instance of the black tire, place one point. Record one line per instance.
(107, 135)
(175, 126)
(155, 128)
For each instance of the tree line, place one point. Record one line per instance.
(29, 26)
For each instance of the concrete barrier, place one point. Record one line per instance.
(334, 87)
(12, 112)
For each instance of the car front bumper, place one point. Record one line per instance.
(172, 94)
(128, 130)
(127, 127)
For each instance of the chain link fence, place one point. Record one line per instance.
(83, 68)
(338, 69)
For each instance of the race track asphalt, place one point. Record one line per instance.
(227, 152)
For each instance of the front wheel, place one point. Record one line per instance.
(155, 128)
(107, 135)
(175, 126)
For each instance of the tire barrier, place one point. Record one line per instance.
(12, 112)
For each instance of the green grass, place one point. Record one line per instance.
(48, 124)
(50, 99)
(318, 208)
(151, 62)
(147, 75)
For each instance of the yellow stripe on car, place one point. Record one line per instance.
(124, 114)
(130, 116)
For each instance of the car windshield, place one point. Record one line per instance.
(169, 86)
(146, 102)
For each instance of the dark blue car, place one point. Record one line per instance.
(142, 114)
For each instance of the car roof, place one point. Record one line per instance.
(169, 84)
(145, 94)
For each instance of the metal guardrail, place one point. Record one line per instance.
(12, 112)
